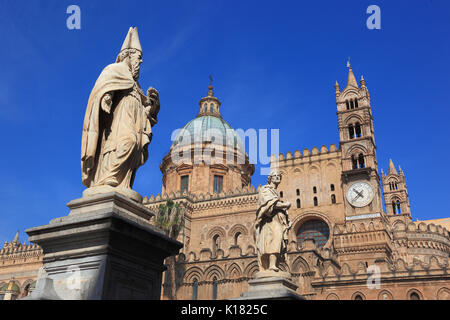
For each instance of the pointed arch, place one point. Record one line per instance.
(251, 269)
(193, 273)
(214, 271)
(234, 271)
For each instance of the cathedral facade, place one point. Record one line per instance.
(352, 235)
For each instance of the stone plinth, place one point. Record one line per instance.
(271, 288)
(104, 249)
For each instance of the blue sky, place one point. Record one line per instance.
(274, 66)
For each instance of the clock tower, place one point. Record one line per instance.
(360, 179)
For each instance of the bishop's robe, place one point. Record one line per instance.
(116, 138)
(271, 226)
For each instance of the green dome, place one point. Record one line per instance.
(208, 129)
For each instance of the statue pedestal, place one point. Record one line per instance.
(104, 249)
(271, 288)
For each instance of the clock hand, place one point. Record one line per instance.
(358, 193)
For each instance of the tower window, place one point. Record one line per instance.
(354, 162)
(356, 103)
(216, 244)
(218, 184)
(348, 105)
(184, 184)
(298, 192)
(352, 106)
(316, 203)
(361, 161)
(211, 107)
(236, 238)
(333, 199)
(332, 187)
(351, 131)
(358, 130)
(399, 208)
(298, 203)
(394, 208)
(314, 189)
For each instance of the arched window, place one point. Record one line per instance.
(399, 208)
(211, 107)
(352, 106)
(356, 103)
(214, 293)
(395, 186)
(414, 296)
(195, 290)
(332, 187)
(354, 162)
(390, 185)
(298, 203)
(361, 161)
(205, 107)
(333, 199)
(358, 297)
(357, 130)
(281, 194)
(184, 184)
(315, 202)
(348, 105)
(314, 229)
(394, 208)
(236, 238)
(351, 131)
(315, 189)
(216, 244)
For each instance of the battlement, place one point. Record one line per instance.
(306, 153)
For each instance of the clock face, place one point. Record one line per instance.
(360, 194)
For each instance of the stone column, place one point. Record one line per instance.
(104, 249)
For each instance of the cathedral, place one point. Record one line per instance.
(352, 237)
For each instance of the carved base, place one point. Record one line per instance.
(104, 249)
(271, 288)
(271, 273)
(133, 195)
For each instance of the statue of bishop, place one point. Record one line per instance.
(118, 124)
(272, 227)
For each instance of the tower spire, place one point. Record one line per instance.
(351, 80)
(392, 169)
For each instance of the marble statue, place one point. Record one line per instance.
(272, 226)
(118, 124)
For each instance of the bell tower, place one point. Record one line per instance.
(360, 179)
(395, 192)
